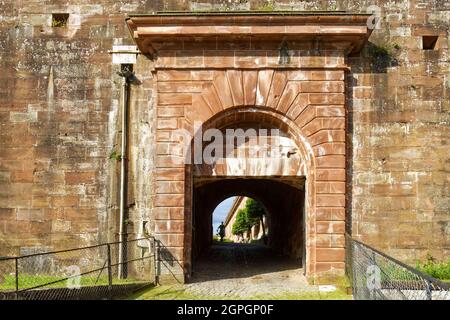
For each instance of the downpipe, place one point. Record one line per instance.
(127, 74)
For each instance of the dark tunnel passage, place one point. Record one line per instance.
(283, 198)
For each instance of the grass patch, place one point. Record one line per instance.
(436, 269)
(178, 292)
(217, 239)
(30, 281)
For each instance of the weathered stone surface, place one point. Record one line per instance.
(59, 118)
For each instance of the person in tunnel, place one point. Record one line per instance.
(221, 231)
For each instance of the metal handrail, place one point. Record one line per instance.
(152, 254)
(74, 249)
(425, 276)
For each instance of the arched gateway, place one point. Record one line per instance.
(282, 76)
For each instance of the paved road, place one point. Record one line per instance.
(246, 270)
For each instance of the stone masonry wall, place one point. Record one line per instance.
(59, 123)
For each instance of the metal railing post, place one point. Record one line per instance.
(109, 272)
(156, 261)
(16, 261)
(429, 289)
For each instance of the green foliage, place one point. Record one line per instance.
(115, 156)
(241, 224)
(382, 55)
(269, 6)
(255, 211)
(434, 268)
(248, 217)
(59, 21)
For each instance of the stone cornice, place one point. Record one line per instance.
(349, 28)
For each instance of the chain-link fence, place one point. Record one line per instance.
(377, 276)
(95, 272)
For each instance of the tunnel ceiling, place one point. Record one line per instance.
(294, 181)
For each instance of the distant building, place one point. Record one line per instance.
(256, 231)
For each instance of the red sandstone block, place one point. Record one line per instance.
(327, 136)
(40, 202)
(7, 214)
(222, 86)
(306, 116)
(279, 80)
(173, 75)
(40, 228)
(333, 123)
(300, 75)
(11, 227)
(330, 227)
(323, 240)
(330, 187)
(211, 97)
(170, 174)
(330, 174)
(335, 200)
(263, 86)
(160, 213)
(332, 161)
(169, 200)
(219, 59)
(169, 226)
(298, 106)
(327, 75)
(249, 58)
(30, 214)
(338, 240)
(177, 213)
(174, 99)
(189, 58)
(80, 177)
(235, 81)
(249, 80)
(330, 254)
(163, 135)
(334, 61)
(330, 111)
(328, 266)
(327, 98)
(16, 153)
(330, 213)
(306, 60)
(22, 176)
(329, 149)
(171, 240)
(312, 126)
(322, 86)
(172, 254)
(162, 148)
(170, 161)
(65, 201)
(180, 87)
(289, 94)
(80, 214)
(171, 111)
(202, 75)
(169, 187)
(167, 123)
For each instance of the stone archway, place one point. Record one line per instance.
(284, 70)
(276, 176)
